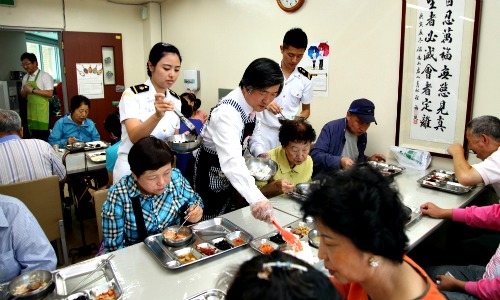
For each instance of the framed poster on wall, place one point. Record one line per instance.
(436, 75)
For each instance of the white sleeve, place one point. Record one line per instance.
(46, 82)
(226, 135)
(255, 143)
(307, 93)
(129, 106)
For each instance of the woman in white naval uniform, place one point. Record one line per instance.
(220, 168)
(147, 109)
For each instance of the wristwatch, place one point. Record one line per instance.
(33, 90)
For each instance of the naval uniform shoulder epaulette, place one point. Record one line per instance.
(174, 94)
(305, 73)
(139, 88)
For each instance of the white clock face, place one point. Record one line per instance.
(289, 3)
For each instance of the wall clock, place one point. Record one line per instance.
(290, 5)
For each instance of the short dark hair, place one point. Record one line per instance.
(186, 109)
(158, 51)
(299, 131)
(149, 153)
(197, 104)
(261, 74)
(296, 38)
(488, 125)
(77, 101)
(112, 124)
(30, 56)
(361, 204)
(281, 283)
(10, 121)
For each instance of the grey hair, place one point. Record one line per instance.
(10, 121)
(488, 125)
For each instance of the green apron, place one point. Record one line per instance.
(38, 109)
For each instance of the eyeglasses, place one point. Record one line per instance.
(26, 64)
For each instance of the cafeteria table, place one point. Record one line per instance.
(413, 195)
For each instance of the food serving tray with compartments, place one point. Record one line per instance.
(445, 181)
(211, 238)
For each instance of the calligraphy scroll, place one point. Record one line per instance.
(438, 53)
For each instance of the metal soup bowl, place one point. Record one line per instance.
(187, 232)
(255, 164)
(184, 143)
(26, 278)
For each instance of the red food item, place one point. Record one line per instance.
(207, 251)
(266, 248)
(238, 241)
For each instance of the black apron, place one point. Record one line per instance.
(209, 181)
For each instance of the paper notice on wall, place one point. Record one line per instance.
(316, 61)
(89, 78)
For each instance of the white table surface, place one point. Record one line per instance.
(142, 277)
(413, 195)
(75, 162)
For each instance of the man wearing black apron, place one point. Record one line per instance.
(220, 169)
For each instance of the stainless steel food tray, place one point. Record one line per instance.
(206, 235)
(282, 246)
(387, 169)
(97, 157)
(212, 294)
(445, 181)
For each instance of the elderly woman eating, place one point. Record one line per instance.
(292, 157)
(150, 199)
(360, 219)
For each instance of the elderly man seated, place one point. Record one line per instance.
(24, 246)
(294, 163)
(24, 159)
(342, 142)
(150, 199)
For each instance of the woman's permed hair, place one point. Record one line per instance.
(261, 74)
(280, 276)
(77, 101)
(158, 51)
(299, 131)
(361, 204)
(148, 154)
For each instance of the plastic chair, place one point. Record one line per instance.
(99, 198)
(43, 198)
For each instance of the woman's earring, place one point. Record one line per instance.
(373, 262)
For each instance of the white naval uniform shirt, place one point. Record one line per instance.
(297, 90)
(222, 133)
(141, 106)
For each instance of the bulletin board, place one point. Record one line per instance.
(436, 76)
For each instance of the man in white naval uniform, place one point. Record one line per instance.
(297, 91)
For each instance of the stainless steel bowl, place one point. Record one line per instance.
(257, 164)
(306, 188)
(27, 278)
(187, 232)
(184, 143)
(313, 237)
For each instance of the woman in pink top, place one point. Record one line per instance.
(469, 282)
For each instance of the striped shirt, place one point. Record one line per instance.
(159, 211)
(24, 245)
(27, 159)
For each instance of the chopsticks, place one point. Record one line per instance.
(102, 264)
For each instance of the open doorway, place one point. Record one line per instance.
(46, 46)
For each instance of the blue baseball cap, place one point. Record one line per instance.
(364, 109)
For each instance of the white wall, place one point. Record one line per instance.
(11, 52)
(87, 16)
(220, 38)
